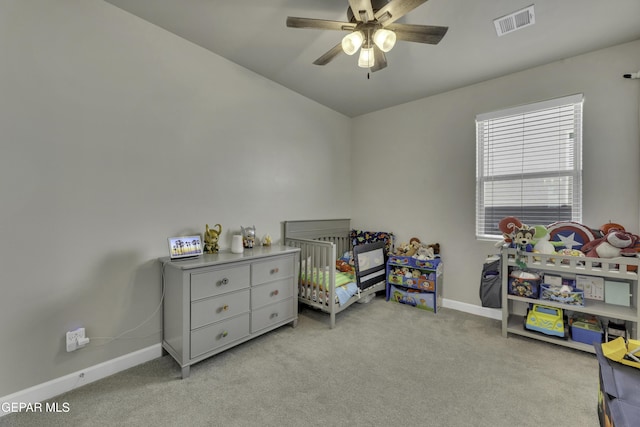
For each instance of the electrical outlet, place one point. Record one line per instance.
(74, 339)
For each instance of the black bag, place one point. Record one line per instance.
(491, 284)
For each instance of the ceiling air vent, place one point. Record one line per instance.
(515, 21)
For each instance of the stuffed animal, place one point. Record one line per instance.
(615, 243)
(435, 247)
(402, 249)
(343, 266)
(522, 237)
(543, 245)
(424, 253)
(508, 225)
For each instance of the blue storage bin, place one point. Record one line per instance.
(586, 332)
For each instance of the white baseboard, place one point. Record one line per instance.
(68, 382)
(493, 313)
(71, 381)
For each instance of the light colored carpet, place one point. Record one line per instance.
(384, 364)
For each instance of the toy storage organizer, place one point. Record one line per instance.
(583, 304)
(415, 282)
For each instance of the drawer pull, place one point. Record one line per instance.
(225, 307)
(274, 271)
(273, 315)
(224, 281)
(274, 293)
(224, 334)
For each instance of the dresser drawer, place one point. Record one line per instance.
(216, 282)
(219, 334)
(272, 314)
(271, 292)
(218, 308)
(274, 269)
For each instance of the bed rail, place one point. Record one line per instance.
(317, 277)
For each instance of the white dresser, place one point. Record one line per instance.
(218, 301)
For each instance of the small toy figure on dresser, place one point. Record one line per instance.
(248, 236)
(211, 237)
(266, 240)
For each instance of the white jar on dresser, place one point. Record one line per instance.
(217, 301)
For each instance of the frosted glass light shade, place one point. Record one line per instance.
(366, 59)
(384, 39)
(352, 42)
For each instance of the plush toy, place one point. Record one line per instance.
(414, 245)
(435, 247)
(615, 243)
(542, 244)
(424, 253)
(343, 266)
(508, 225)
(523, 236)
(402, 249)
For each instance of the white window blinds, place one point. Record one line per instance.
(529, 164)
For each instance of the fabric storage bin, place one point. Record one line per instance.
(411, 262)
(586, 332)
(423, 282)
(413, 297)
(524, 284)
(557, 294)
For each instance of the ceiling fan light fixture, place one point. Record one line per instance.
(384, 39)
(352, 42)
(366, 59)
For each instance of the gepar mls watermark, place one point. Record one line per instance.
(52, 407)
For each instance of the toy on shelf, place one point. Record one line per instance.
(542, 243)
(547, 320)
(508, 225)
(614, 243)
(248, 236)
(418, 250)
(211, 237)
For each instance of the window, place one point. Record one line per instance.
(529, 164)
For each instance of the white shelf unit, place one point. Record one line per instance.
(514, 307)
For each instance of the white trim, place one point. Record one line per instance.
(97, 372)
(493, 313)
(76, 379)
(528, 108)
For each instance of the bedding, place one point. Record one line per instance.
(345, 284)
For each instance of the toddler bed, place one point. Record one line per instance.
(324, 282)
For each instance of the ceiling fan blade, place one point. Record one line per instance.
(362, 10)
(395, 10)
(380, 59)
(429, 34)
(328, 57)
(320, 24)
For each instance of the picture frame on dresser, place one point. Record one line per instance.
(185, 247)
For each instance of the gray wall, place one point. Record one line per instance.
(428, 147)
(115, 135)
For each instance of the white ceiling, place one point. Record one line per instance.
(253, 34)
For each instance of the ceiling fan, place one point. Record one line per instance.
(372, 30)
